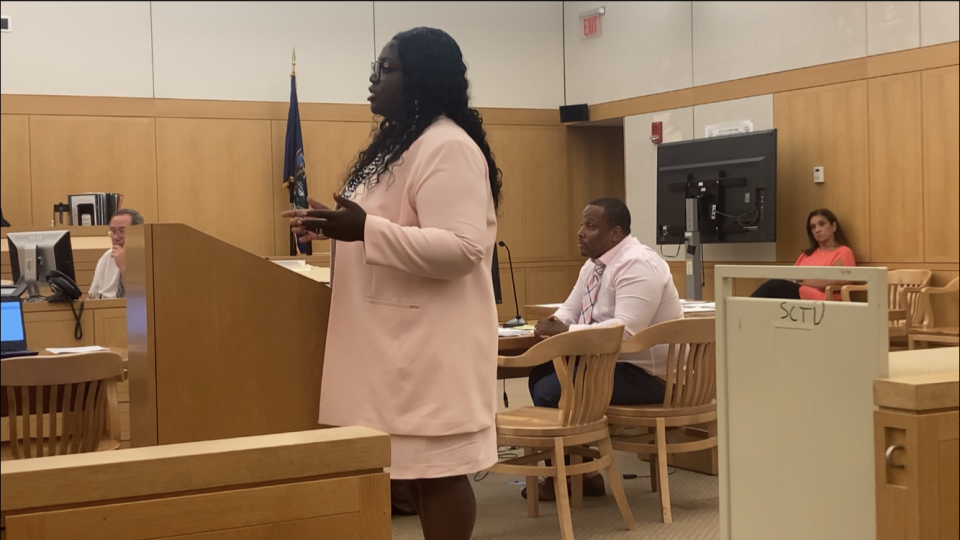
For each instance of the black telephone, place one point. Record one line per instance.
(64, 288)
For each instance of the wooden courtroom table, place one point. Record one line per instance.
(542, 311)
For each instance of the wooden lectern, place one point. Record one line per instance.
(221, 342)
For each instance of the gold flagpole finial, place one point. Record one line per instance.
(293, 62)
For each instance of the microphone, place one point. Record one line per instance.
(518, 321)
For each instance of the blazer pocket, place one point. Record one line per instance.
(395, 305)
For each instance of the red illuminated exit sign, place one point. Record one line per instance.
(590, 21)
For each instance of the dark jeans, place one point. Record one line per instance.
(631, 386)
(778, 288)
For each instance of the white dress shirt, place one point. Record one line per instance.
(637, 291)
(106, 278)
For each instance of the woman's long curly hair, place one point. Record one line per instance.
(434, 84)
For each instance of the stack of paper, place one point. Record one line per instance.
(514, 332)
(76, 350)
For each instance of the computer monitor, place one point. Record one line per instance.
(497, 293)
(33, 255)
(732, 181)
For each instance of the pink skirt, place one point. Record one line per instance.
(414, 457)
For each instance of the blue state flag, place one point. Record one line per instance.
(294, 167)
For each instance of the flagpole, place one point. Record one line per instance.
(291, 184)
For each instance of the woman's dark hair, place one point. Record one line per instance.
(434, 84)
(838, 235)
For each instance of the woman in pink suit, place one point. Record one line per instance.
(412, 342)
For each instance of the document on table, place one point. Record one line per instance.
(704, 307)
(514, 332)
(76, 350)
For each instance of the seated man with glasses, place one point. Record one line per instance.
(112, 267)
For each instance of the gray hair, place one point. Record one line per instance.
(135, 217)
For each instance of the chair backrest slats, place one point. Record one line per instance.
(81, 387)
(691, 378)
(584, 361)
(900, 280)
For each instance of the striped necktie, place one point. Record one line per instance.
(590, 293)
(120, 290)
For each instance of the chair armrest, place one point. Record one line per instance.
(953, 286)
(847, 289)
(830, 290)
(522, 361)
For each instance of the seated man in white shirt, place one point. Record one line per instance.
(112, 266)
(622, 282)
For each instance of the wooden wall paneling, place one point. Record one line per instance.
(329, 148)
(896, 169)
(15, 188)
(215, 175)
(506, 309)
(678, 271)
(824, 126)
(941, 164)
(881, 65)
(77, 154)
(55, 329)
(708, 285)
(110, 327)
(238, 110)
(746, 287)
(595, 166)
(548, 285)
(536, 206)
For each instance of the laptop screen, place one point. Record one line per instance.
(11, 322)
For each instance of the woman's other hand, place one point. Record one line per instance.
(345, 224)
(297, 227)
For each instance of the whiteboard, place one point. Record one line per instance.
(795, 399)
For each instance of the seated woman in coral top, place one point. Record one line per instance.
(828, 247)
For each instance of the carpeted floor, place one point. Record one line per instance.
(502, 513)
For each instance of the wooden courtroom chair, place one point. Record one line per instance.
(926, 329)
(690, 399)
(82, 386)
(903, 293)
(584, 361)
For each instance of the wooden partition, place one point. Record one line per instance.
(794, 407)
(917, 447)
(222, 343)
(325, 484)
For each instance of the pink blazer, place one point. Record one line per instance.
(412, 340)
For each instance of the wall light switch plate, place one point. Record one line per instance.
(818, 175)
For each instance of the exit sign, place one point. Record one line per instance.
(590, 22)
(591, 25)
